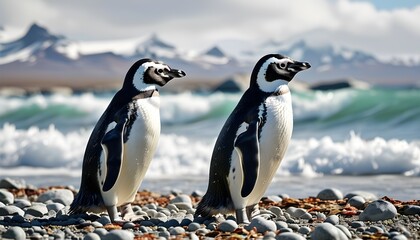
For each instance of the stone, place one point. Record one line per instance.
(22, 203)
(289, 236)
(378, 210)
(296, 212)
(182, 200)
(357, 202)
(276, 210)
(327, 231)
(63, 196)
(177, 231)
(11, 210)
(118, 235)
(37, 210)
(411, 210)
(192, 227)
(227, 226)
(344, 230)
(9, 183)
(262, 225)
(6, 197)
(366, 195)
(304, 230)
(16, 233)
(92, 236)
(330, 194)
(333, 219)
(55, 207)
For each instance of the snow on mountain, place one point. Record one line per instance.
(43, 58)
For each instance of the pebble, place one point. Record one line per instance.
(327, 231)
(262, 225)
(37, 210)
(227, 226)
(22, 203)
(296, 212)
(182, 201)
(92, 236)
(177, 231)
(11, 210)
(333, 219)
(330, 194)
(9, 183)
(6, 197)
(289, 236)
(304, 230)
(411, 210)
(63, 196)
(16, 233)
(55, 206)
(276, 210)
(366, 195)
(118, 235)
(378, 210)
(192, 227)
(357, 202)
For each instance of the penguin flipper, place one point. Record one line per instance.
(113, 144)
(247, 146)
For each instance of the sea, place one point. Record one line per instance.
(349, 139)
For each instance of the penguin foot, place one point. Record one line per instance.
(113, 213)
(128, 213)
(241, 216)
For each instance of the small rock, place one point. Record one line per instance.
(262, 225)
(378, 210)
(183, 200)
(11, 210)
(104, 220)
(281, 224)
(37, 210)
(274, 198)
(276, 210)
(9, 183)
(327, 231)
(330, 194)
(366, 195)
(357, 202)
(289, 236)
(63, 196)
(344, 230)
(333, 219)
(129, 225)
(118, 235)
(16, 233)
(92, 236)
(357, 224)
(55, 207)
(6, 197)
(296, 212)
(227, 226)
(304, 230)
(101, 232)
(197, 193)
(399, 237)
(22, 203)
(411, 210)
(193, 227)
(177, 231)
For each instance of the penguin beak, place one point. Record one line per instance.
(175, 73)
(298, 66)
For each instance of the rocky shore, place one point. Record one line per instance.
(41, 213)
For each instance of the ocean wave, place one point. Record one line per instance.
(178, 155)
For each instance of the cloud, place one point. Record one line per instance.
(199, 24)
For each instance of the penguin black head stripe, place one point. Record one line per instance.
(146, 74)
(273, 67)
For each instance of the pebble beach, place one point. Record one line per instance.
(41, 213)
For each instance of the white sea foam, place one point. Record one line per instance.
(179, 155)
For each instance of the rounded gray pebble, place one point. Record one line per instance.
(344, 230)
(118, 235)
(330, 194)
(366, 195)
(192, 227)
(399, 237)
(6, 197)
(327, 231)
(333, 219)
(281, 224)
(104, 220)
(101, 232)
(276, 210)
(63, 196)
(128, 225)
(262, 225)
(16, 233)
(91, 236)
(357, 202)
(22, 203)
(11, 210)
(228, 226)
(37, 210)
(55, 206)
(357, 224)
(182, 198)
(304, 230)
(411, 210)
(289, 236)
(296, 212)
(378, 210)
(177, 231)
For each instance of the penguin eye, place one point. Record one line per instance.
(282, 65)
(160, 70)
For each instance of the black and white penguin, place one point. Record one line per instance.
(252, 142)
(123, 142)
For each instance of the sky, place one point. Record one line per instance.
(382, 27)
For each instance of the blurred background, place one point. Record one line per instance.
(356, 111)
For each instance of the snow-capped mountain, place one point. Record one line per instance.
(42, 59)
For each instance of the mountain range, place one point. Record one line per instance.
(40, 59)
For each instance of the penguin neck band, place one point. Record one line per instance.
(147, 94)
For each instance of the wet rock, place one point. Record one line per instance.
(378, 210)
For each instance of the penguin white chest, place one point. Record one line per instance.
(137, 152)
(276, 130)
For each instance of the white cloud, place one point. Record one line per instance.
(199, 24)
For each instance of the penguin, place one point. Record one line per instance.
(252, 142)
(123, 142)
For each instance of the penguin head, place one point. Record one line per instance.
(147, 74)
(274, 70)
